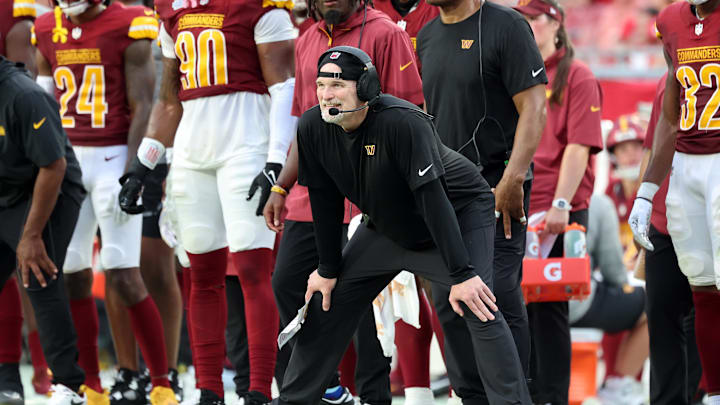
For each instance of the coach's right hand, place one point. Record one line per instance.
(273, 212)
(476, 295)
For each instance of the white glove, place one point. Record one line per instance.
(640, 215)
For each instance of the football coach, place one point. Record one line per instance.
(427, 209)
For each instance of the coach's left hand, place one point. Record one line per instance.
(476, 295)
(316, 283)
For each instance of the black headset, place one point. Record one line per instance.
(368, 85)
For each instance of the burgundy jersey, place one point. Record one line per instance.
(214, 43)
(413, 21)
(88, 66)
(694, 46)
(11, 13)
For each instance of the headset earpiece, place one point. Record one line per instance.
(368, 85)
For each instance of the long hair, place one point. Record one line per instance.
(562, 40)
(315, 14)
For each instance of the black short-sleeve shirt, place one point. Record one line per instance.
(377, 166)
(31, 136)
(450, 58)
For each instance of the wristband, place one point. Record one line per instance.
(647, 190)
(279, 190)
(149, 152)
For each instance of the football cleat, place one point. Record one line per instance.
(176, 384)
(62, 395)
(162, 396)
(208, 397)
(253, 398)
(127, 390)
(95, 398)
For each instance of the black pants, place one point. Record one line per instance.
(52, 310)
(370, 262)
(236, 334)
(507, 275)
(551, 345)
(674, 363)
(297, 258)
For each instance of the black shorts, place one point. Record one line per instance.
(613, 310)
(152, 201)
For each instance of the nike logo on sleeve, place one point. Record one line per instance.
(405, 66)
(537, 72)
(425, 170)
(38, 124)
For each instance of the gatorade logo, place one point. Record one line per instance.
(553, 271)
(534, 249)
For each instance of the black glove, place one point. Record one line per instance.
(132, 186)
(264, 180)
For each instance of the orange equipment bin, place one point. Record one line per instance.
(556, 279)
(583, 372)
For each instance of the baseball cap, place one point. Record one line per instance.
(351, 67)
(534, 8)
(624, 130)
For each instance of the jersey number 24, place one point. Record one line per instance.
(90, 100)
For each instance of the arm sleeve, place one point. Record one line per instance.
(327, 209)
(416, 151)
(166, 43)
(274, 26)
(397, 67)
(583, 116)
(442, 222)
(522, 64)
(39, 128)
(604, 240)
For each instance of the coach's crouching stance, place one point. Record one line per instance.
(429, 211)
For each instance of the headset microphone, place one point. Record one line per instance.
(336, 111)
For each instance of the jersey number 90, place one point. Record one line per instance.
(691, 83)
(198, 56)
(90, 100)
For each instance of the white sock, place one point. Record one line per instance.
(714, 400)
(419, 396)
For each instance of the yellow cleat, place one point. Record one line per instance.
(95, 398)
(162, 396)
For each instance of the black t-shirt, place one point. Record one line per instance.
(511, 63)
(31, 136)
(379, 165)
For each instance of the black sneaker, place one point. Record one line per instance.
(11, 397)
(208, 397)
(253, 398)
(176, 384)
(127, 390)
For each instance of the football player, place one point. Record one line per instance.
(688, 139)
(230, 64)
(97, 61)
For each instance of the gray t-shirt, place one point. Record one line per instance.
(603, 245)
